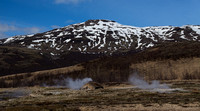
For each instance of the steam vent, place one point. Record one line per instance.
(92, 86)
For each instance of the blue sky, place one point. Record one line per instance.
(19, 17)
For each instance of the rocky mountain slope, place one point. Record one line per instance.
(103, 37)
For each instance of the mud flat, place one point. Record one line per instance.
(182, 96)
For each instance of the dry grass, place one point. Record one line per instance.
(187, 68)
(52, 72)
(110, 98)
(39, 77)
(140, 107)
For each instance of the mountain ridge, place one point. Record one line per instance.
(103, 37)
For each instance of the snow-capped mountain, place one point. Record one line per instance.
(104, 36)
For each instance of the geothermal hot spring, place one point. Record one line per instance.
(153, 86)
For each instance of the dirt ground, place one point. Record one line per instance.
(182, 96)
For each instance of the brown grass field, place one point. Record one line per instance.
(181, 69)
(114, 97)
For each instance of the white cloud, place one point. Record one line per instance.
(55, 26)
(69, 1)
(69, 21)
(2, 35)
(31, 30)
(11, 29)
(6, 27)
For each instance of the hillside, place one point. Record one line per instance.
(165, 58)
(170, 61)
(15, 60)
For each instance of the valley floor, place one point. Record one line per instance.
(183, 96)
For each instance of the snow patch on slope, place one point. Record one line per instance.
(103, 35)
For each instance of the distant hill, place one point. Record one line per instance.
(168, 61)
(15, 60)
(102, 37)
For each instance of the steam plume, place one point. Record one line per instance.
(16, 93)
(140, 83)
(76, 84)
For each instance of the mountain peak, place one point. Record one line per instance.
(104, 36)
(97, 20)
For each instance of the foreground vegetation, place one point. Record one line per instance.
(114, 96)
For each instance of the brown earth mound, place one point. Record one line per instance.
(92, 86)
